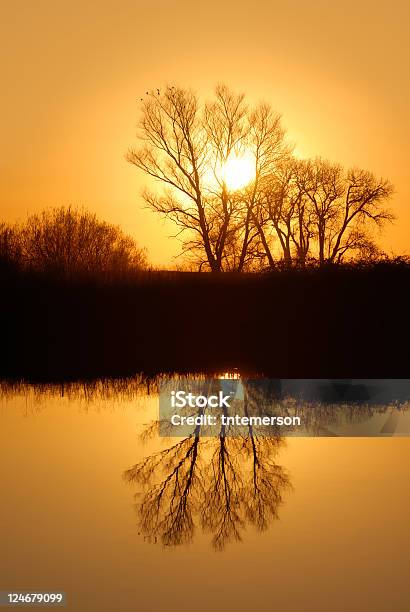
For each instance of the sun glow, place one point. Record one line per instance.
(238, 172)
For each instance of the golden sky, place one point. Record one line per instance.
(72, 72)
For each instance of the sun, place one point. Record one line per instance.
(238, 171)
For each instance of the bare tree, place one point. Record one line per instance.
(322, 183)
(186, 149)
(285, 215)
(344, 206)
(176, 154)
(316, 210)
(294, 210)
(266, 143)
(227, 128)
(221, 484)
(364, 203)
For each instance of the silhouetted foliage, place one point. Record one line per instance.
(70, 242)
(291, 210)
(10, 250)
(186, 147)
(319, 211)
(221, 485)
(224, 483)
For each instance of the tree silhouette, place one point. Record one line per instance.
(186, 146)
(343, 204)
(219, 484)
(292, 210)
(10, 251)
(223, 484)
(71, 241)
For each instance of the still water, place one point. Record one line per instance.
(94, 503)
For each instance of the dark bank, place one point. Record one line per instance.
(347, 321)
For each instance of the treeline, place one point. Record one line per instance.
(68, 242)
(346, 321)
(229, 180)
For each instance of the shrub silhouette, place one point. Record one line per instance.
(70, 242)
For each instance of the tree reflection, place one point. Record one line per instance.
(225, 482)
(220, 485)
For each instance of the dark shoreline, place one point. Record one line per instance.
(337, 322)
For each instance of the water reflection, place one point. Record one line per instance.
(362, 409)
(223, 484)
(220, 485)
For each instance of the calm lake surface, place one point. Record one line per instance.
(95, 504)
